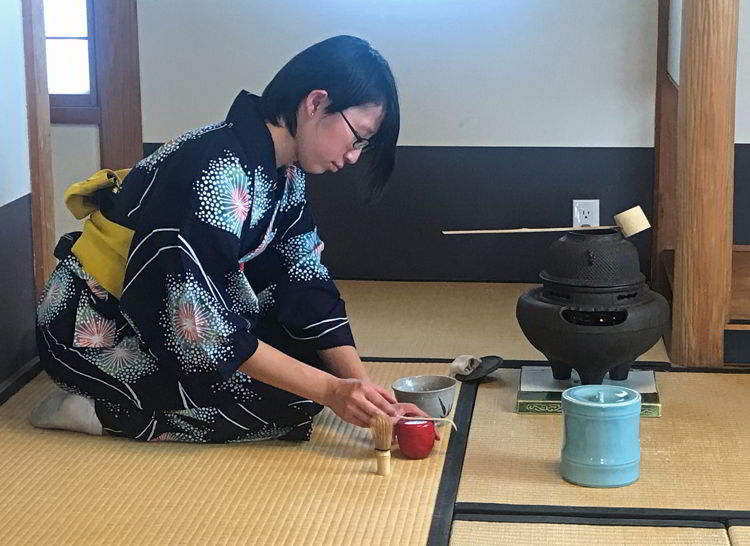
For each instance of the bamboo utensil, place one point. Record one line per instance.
(631, 221)
(417, 418)
(382, 434)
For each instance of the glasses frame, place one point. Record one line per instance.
(360, 143)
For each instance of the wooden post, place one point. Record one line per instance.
(119, 83)
(664, 217)
(40, 152)
(705, 164)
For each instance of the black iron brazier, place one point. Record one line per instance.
(593, 312)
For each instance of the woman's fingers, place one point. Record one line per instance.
(370, 409)
(380, 402)
(361, 419)
(385, 394)
(405, 408)
(366, 406)
(363, 400)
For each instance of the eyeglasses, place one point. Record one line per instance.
(359, 142)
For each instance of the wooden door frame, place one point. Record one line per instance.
(119, 117)
(118, 82)
(40, 152)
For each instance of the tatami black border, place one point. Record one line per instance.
(739, 321)
(494, 509)
(639, 365)
(647, 365)
(738, 523)
(18, 380)
(442, 515)
(744, 370)
(406, 359)
(459, 281)
(657, 366)
(637, 522)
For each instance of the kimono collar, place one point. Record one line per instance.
(251, 130)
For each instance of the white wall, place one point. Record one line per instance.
(472, 72)
(75, 157)
(15, 177)
(742, 125)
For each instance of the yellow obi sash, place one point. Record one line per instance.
(103, 247)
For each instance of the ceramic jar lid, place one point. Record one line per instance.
(610, 399)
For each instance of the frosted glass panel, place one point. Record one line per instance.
(68, 66)
(64, 18)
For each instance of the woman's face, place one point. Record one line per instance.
(324, 141)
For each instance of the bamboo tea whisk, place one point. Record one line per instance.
(382, 433)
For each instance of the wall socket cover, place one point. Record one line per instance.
(585, 212)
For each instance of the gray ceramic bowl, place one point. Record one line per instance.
(431, 393)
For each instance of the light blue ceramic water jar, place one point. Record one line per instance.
(601, 435)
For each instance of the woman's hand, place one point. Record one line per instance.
(407, 410)
(357, 401)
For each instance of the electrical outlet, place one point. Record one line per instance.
(585, 212)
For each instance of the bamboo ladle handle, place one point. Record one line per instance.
(631, 221)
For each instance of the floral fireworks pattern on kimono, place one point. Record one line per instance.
(266, 433)
(167, 437)
(92, 329)
(125, 361)
(294, 191)
(223, 193)
(194, 326)
(243, 297)
(193, 422)
(240, 385)
(263, 188)
(167, 148)
(96, 288)
(265, 299)
(267, 238)
(301, 255)
(57, 291)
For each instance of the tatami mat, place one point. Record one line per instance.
(696, 456)
(739, 535)
(442, 320)
(483, 533)
(67, 488)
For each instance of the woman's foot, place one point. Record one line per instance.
(63, 410)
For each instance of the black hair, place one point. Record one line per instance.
(353, 74)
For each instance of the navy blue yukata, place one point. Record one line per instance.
(224, 252)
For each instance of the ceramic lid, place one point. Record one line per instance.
(603, 396)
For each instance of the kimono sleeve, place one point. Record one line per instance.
(297, 290)
(184, 291)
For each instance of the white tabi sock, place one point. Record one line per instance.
(63, 410)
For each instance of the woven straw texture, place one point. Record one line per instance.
(481, 533)
(68, 488)
(739, 535)
(442, 320)
(695, 456)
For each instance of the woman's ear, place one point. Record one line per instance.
(315, 102)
